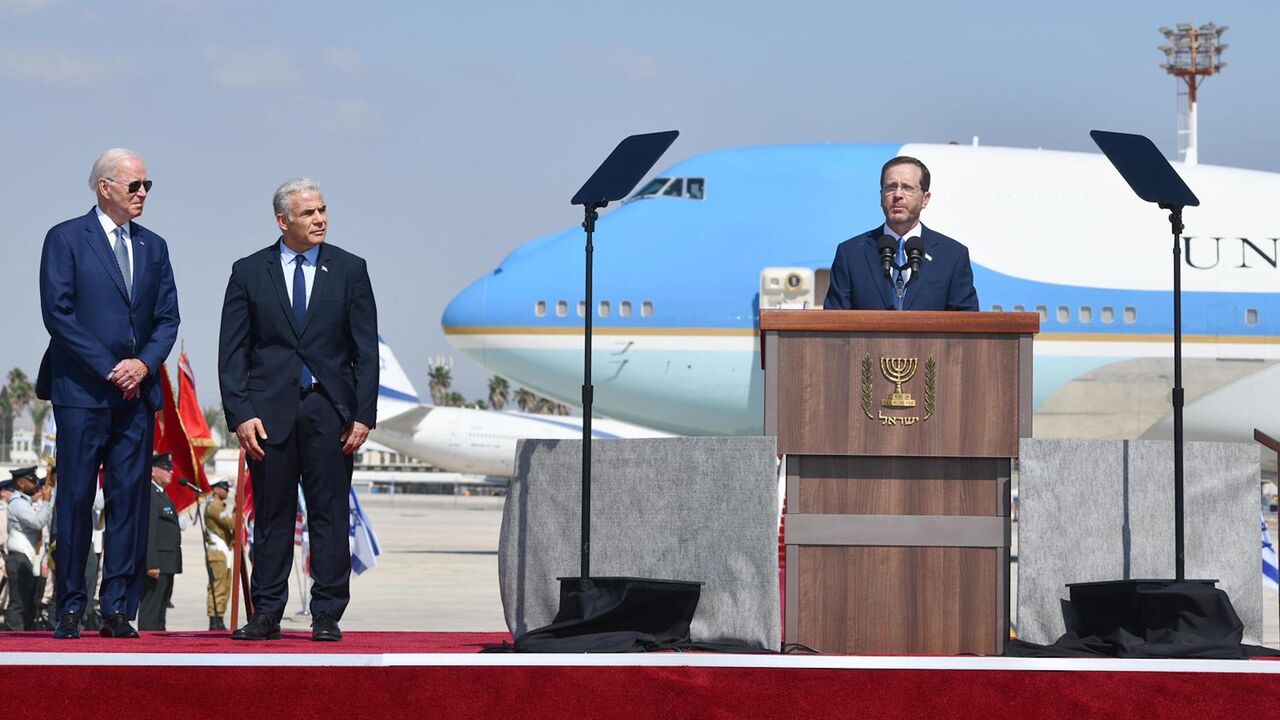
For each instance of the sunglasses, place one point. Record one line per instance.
(134, 186)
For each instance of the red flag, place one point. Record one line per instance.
(172, 437)
(198, 433)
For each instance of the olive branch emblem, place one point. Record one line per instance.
(930, 386)
(866, 386)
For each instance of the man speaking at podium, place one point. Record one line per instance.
(902, 265)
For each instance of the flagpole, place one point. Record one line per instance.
(238, 561)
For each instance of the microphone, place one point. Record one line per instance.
(915, 253)
(887, 247)
(190, 486)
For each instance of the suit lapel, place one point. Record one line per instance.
(101, 246)
(275, 275)
(139, 254)
(930, 250)
(876, 270)
(318, 283)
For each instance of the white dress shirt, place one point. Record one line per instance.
(26, 520)
(109, 227)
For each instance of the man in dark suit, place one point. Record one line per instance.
(111, 308)
(945, 278)
(298, 366)
(164, 548)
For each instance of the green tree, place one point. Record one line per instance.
(18, 395)
(525, 400)
(38, 411)
(480, 405)
(499, 392)
(439, 380)
(454, 399)
(217, 422)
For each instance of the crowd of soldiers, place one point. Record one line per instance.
(27, 539)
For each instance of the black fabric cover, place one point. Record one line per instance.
(1148, 619)
(616, 614)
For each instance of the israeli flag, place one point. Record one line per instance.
(364, 541)
(1270, 574)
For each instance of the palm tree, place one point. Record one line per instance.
(525, 400)
(562, 409)
(480, 405)
(499, 391)
(18, 396)
(217, 422)
(38, 411)
(454, 399)
(439, 381)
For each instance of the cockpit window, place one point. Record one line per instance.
(691, 188)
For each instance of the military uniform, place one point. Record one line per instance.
(164, 552)
(219, 525)
(26, 521)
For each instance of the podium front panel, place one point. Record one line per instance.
(896, 394)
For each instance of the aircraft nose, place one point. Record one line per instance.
(467, 309)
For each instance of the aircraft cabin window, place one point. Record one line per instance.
(604, 308)
(540, 308)
(562, 308)
(1086, 314)
(1250, 317)
(624, 308)
(997, 308)
(1108, 315)
(1130, 315)
(1064, 314)
(1044, 313)
(695, 188)
(1019, 308)
(582, 308)
(646, 309)
(653, 187)
(675, 189)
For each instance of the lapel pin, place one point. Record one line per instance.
(324, 268)
(928, 257)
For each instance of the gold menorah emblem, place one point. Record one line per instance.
(898, 370)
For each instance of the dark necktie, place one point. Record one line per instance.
(122, 259)
(300, 311)
(900, 260)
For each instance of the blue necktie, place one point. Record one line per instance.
(300, 311)
(900, 259)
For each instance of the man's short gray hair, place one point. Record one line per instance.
(105, 165)
(292, 186)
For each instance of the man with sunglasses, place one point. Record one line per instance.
(944, 279)
(111, 308)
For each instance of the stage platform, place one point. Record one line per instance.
(430, 675)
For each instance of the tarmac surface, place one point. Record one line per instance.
(438, 572)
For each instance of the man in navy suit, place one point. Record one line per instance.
(111, 308)
(945, 278)
(298, 366)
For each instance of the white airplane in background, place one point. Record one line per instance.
(466, 440)
(683, 267)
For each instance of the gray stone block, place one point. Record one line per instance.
(691, 508)
(1093, 510)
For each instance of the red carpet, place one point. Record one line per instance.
(439, 675)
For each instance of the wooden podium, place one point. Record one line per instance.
(898, 430)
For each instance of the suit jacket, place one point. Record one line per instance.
(93, 323)
(944, 282)
(164, 538)
(261, 349)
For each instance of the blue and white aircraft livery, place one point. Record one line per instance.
(683, 267)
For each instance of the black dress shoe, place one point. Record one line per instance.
(116, 625)
(260, 627)
(68, 627)
(325, 629)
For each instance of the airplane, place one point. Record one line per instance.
(467, 440)
(683, 267)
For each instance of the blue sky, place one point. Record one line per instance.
(446, 134)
